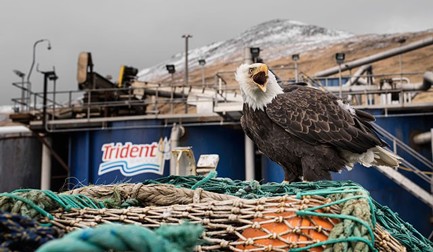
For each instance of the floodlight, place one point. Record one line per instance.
(170, 68)
(340, 57)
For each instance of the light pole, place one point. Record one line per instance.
(339, 57)
(186, 37)
(202, 62)
(401, 41)
(255, 52)
(21, 75)
(171, 70)
(33, 64)
(295, 58)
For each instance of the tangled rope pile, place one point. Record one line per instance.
(117, 237)
(126, 195)
(358, 224)
(247, 189)
(20, 233)
(31, 202)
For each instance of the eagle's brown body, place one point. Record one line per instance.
(304, 131)
(307, 131)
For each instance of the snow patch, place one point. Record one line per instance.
(276, 38)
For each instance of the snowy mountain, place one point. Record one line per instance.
(277, 38)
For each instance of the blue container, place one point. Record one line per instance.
(271, 171)
(226, 141)
(138, 150)
(125, 154)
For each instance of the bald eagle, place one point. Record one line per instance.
(308, 132)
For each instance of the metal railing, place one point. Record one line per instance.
(398, 146)
(224, 90)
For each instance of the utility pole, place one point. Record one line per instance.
(202, 62)
(295, 58)
(340, 57)
(186, 37)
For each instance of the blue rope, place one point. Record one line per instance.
(20, 233)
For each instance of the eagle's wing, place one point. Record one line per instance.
(245, 127)
(316, 117)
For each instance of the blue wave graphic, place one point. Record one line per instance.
(126, 171)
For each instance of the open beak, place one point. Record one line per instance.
(260, 77)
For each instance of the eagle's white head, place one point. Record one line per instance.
(258, 85)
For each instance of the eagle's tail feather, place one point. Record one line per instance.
(383, 157)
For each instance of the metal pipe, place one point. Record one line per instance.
(424, 85)
(47, 75)
(248, 58)
(177, 131)
(377, 57)
(186, 37)
(422, 138)
(162, 93)
(249, 144)
(185, 124)
(249, 159)
(46, 167)
(340, 85)
(33, 61)
(354, 79)
(421, 86)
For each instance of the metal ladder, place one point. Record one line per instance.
(401, 179)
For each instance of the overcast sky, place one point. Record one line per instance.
(143, 33)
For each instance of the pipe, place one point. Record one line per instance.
(423, 138)
(162, 93)
(422, 86)
(46, 167)
(177, 131)
(354, 79)
(249, 159)
(401, 80)
(34, 56)
(377, 57)
(249, 144)
(248, 58)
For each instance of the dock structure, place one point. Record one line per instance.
(130, 112)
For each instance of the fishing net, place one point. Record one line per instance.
(242, 215)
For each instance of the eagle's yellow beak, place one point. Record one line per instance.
(260, 77)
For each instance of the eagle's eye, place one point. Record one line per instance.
(250, 70)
